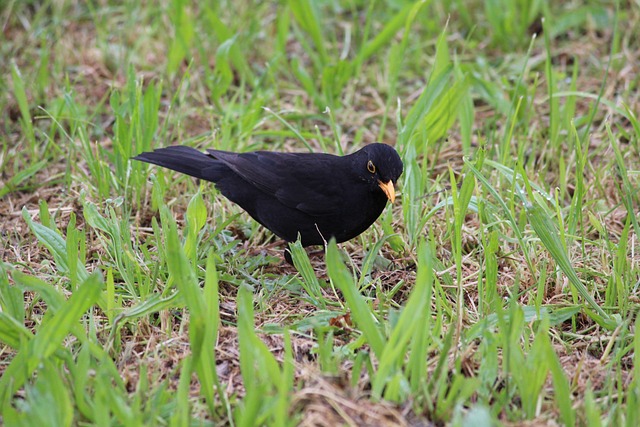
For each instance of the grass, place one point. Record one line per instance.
(502, 288)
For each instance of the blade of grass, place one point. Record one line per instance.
(56, 246)
(412, 318)
(360, 311)
(309, 282)
(20, 93)
(53, 330)
(548, 235)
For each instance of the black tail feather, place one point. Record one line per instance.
(186, 160)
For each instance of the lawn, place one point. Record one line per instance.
(501, 288)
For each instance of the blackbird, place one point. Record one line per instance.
(316, 196)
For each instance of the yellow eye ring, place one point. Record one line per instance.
(371, 167)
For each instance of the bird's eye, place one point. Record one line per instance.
(371, 167)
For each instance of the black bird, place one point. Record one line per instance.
(318, 196)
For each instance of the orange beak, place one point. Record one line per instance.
(388, 189)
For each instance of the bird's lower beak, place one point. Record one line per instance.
(388, 189)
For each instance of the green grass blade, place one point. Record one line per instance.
(360, 310)
(309, 282)
(56, 246)
(13, 183)
(306, 15)
(50, 335)
(20, 93)
(412, 321)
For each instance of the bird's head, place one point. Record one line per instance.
(379, 165)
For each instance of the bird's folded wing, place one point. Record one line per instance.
(300, 181)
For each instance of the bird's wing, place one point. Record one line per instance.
(306, 182)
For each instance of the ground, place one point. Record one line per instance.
(501, 287)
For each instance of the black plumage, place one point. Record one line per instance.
(318, 196)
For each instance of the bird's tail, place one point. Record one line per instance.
(186, 160)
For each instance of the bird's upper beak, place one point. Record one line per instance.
(388, 189)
